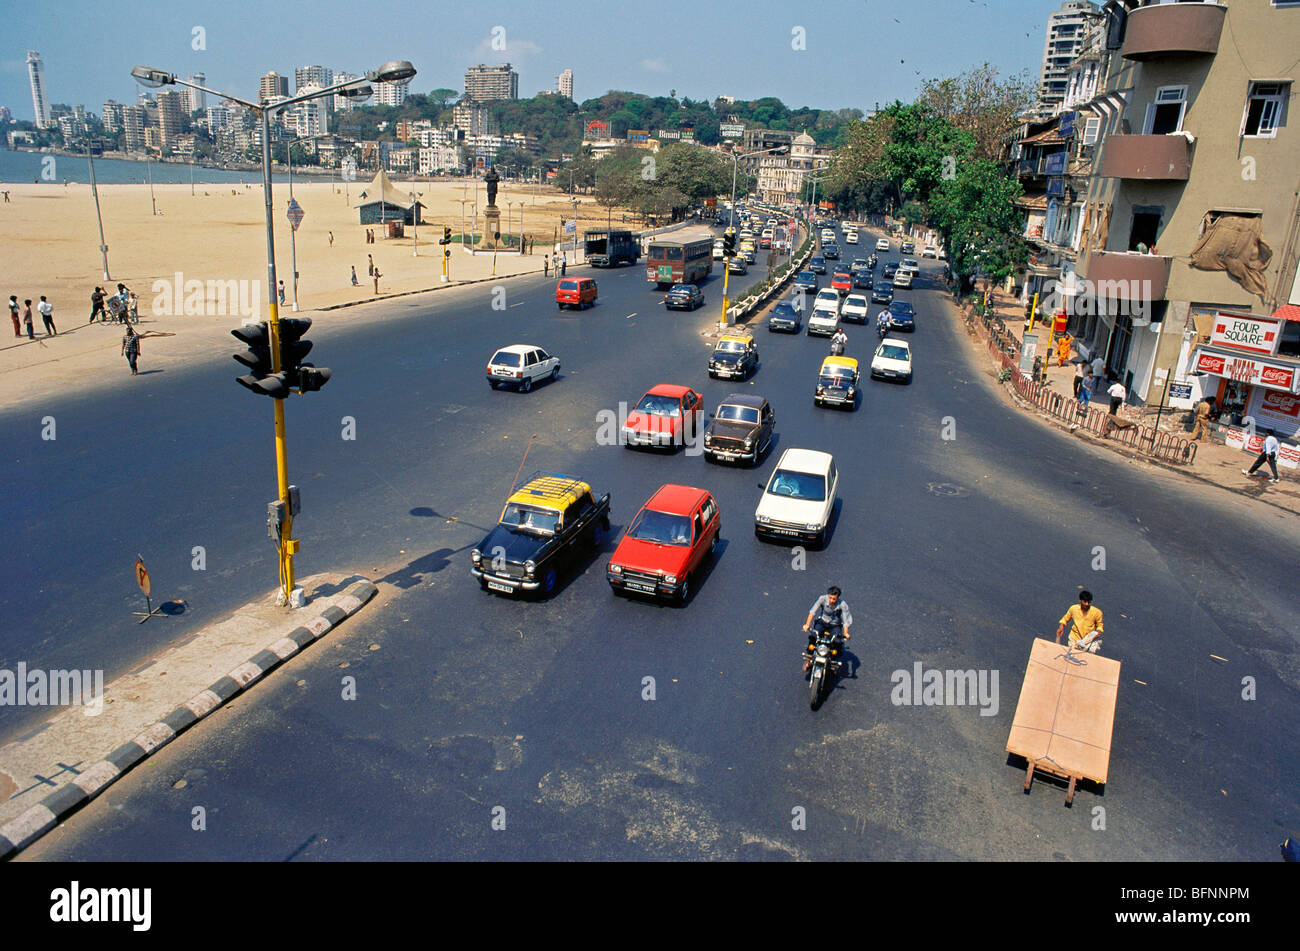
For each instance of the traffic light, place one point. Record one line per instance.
(259, 379)
(446, 235)
(729, 241)
(293, 374)
(304, 377)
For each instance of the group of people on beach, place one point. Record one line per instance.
(126, 306)
(44, 308)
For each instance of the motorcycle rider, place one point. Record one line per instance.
(883, 323)
(838, 342)
(829, 614)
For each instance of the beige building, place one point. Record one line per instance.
(781, 176)
(1192, 206)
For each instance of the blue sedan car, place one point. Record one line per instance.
(902, 316)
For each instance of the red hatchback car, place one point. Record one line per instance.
(666, 544)
(842, 282)
(667, 416)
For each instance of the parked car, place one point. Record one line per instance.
(806, 281)
(854, 309)
(892, 361)
(799, 497)
(684, 297)
(825, 317)
(817, 264)
(667, 416)
(579, 292)
(785, 316)
(837, 383)
(902, 316)
(548, 521)
(521, 365)
(741, 430)
(666, 543)
(735, 356)
(882, 245)
(841, 282)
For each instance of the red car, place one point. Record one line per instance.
(667, 416)
(666, 544)
(842, 282)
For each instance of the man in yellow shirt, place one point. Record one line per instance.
(1086, 632)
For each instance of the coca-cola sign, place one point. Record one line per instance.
(1246, 332)
(1245, 370)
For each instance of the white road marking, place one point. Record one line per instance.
(630, 316)
(520, 304)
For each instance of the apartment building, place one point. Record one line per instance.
(1066, 29)
(486, 83)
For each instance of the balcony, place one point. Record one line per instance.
(1173, 29)
(1129, 275)
(1156, 158)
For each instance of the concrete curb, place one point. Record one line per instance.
(440, 287)
(22, 831)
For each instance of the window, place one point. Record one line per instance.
(1265, 109)
(709, 511)
(1165, 113)
(1145, 228)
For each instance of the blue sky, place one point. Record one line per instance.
(856, 53)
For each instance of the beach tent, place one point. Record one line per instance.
(384, 201)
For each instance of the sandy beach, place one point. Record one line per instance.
(50, 241)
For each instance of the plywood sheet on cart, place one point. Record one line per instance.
(1066, 713)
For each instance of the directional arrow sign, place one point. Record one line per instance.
(295, 214)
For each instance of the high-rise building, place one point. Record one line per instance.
(564, 83)
(40, 103)
(1066, 30)
(474, 119)
(486, 83)
(318, 76)
(389, 94)
(196, 99)
(273, 84)
(220, 118)
(343, 103)
(309, 118)
(113, 116)
(171, 110)
(133, 124)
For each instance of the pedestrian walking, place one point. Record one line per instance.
(1079, 378)
(13, 313)
(1083, 393)
(1063, 349)
(97, 304)
(1269, 455)
(1098, 372)
(131, 348)
(47, 316)
(355, 282)
(564, 263)
(1203, 410)
(27, 318)
(371, 270)
(279, 289)
(377, 277)
(546, 272)
(1117, 394)
(331, 239)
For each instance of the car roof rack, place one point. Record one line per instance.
(563, 484)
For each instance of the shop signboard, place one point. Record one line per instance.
(731, 130)
(1246, 332)
(1245, 370)
(1275, 410)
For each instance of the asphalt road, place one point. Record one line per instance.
(470, 708)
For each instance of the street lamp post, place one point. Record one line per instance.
(397, 71)
(415, 221)
(94, 190)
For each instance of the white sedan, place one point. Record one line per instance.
(851, 237)
(930, 251)
(520, 365)
(855, 309)
(799, 498)
(825, 318)
(892, 360)
(882, 245)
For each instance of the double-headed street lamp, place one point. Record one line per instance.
(731, 225)
(398, 71)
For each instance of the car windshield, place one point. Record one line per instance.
(836, 376)
(893, 353)
(682, 289)
(900, 309)
(855, 300)
(807, 276)
(783, 310)
(659, 406)
(569, 285)
(740, 414)
(731, 346)
(798, 485)
(526, 518)
(662, 528)
(507, 359)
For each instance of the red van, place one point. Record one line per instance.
(579, 292)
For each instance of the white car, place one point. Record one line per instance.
(930, 251)
(828, 234)
(850, 237)
(520, 365)
(882, 245)
(892, 360)
(799, 497)
(855, 308)
(910, 264)
(825, 317)
(903, 280)
(718, 250)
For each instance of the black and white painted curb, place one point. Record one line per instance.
(21, 832)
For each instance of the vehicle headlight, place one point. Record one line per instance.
(530, 566)
(670, 579)
(708, 439)
(812, 527)
(850, 393)
(749, 442)
(819, 391)
(616, 569)
(763, 519)
(476, 556)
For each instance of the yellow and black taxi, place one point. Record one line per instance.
(837, 382)
(734, 357)
(548, 521)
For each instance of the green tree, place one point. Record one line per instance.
(980, 102)
(976, 214)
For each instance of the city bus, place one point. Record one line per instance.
(679, 262)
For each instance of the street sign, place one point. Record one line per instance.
(1028, 350)
(1180, 391)
(142, 576)
(295, 214)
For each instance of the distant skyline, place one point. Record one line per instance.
(854, 55)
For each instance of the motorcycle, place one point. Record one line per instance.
(837, 348)
(882, 328)
(826, 663)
